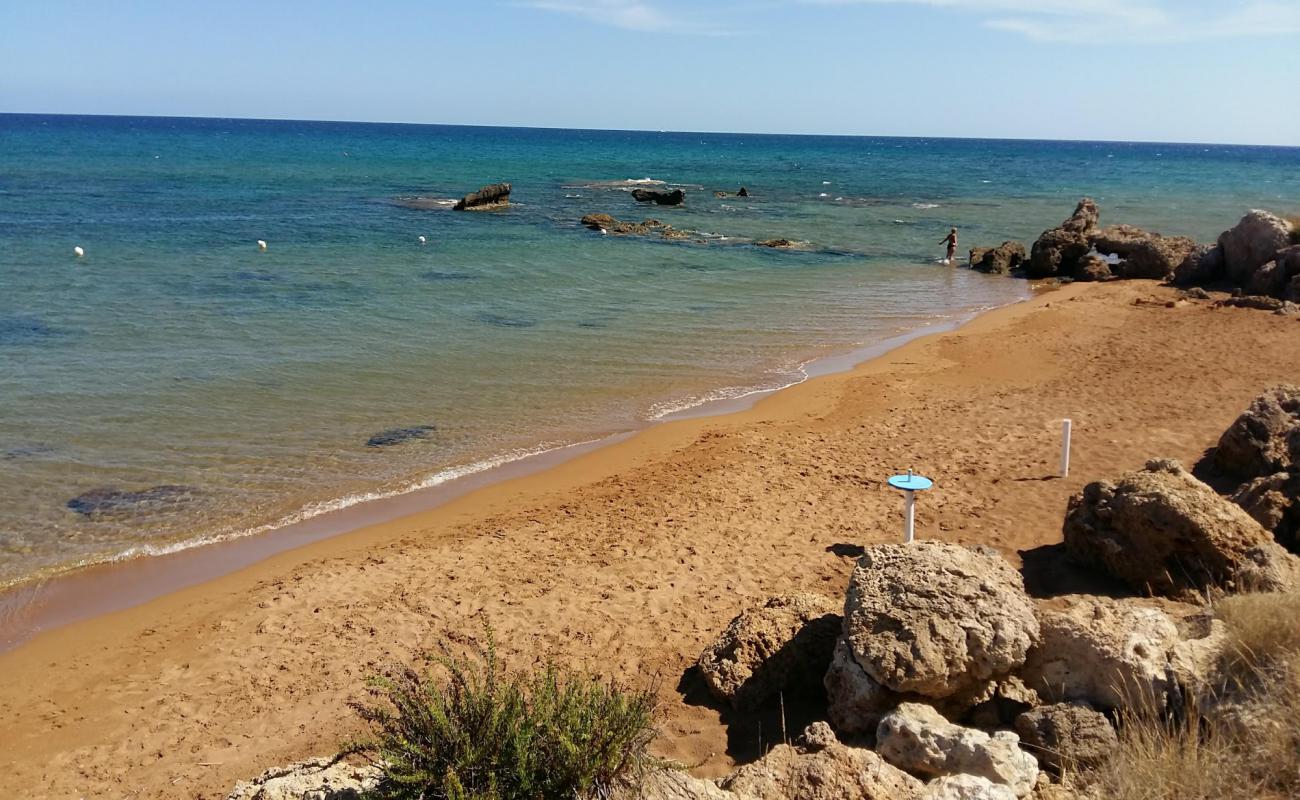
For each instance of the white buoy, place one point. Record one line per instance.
(261, 244)
(423, 240)
(78, 252)
(1066, 430)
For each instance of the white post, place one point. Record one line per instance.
(909, 516)
(1066, 426)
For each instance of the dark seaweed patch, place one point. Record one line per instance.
(505, 322)
(25, 329)
(110, 500)
(26, 451)
(394, 436)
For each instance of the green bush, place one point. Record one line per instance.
(468, 730)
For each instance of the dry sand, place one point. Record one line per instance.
(629, 559)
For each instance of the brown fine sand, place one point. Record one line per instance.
(627, 560)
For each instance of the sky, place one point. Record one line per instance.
(1141, 70)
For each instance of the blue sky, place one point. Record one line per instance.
(1163, 70)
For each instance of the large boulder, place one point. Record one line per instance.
(1269, 280)
(771, 649)
(1116, 654)
(1203, 265)
(936, 619)
(674, 198)
(1252, 243)
(1274, 502)
(918, 739)
(1058, 251)
(1001, 260)
(1067, 736)
(1265, 439)
(822, 770)
(1162, 531)
(489, 197)
(317, 779)
(1143, 254)
(1093, 267)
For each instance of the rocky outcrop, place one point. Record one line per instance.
(1270, 280)
(1143, 254)
(742, 192)
(1274, 502)
(1093, 268)
(1057, 252)
(1001, 260)
(489, 197)
(649, 227)
(669, 784)
(1252, 243)
(1067, 736)
(317, 779)
(674, 198)
(918, 739)
(771, 649)
(936, 619)
(1162, 531)
(1203, 265)
(780, 244)
(1265, 439)
(822, 770)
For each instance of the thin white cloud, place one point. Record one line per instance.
(635, 15)
(1119, 21)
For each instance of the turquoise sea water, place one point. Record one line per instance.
(198, 388)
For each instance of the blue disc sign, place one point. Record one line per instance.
(910, 483)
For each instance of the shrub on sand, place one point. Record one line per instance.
(1244, 743)
(465, 729)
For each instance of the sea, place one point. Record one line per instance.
(177, 384)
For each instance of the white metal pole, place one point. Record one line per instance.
(909, 516)
(1066, 426)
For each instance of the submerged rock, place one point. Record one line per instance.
(496, 195)
(674, 198)
(394, 436)
(110, 500)
(780, 244)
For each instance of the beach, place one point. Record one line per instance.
(628, 559)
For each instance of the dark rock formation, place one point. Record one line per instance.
(1264, 440)
(1252, 243)
(743, 192)
(1093, 268)
(781, 244)
(1269, 280)
(394, 436)
(111, 501)
(674, 198)
(608, 224)
(1057, 252)
(489, 197)
(1143, 254)
(1001, 260)
(1202, 266)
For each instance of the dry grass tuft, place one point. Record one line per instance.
(1242, 743)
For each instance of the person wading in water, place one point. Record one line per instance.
(951, 241)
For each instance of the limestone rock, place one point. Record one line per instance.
(1058, 251)
(1162, 531)
(1143, 254)
(787, 641)
(918, 739)
(1203, 265)
(1067, 736)
(1274, 502)
(935, 618)
(1265, 439)
(317, 779)
(1093, 268)
(1252, 243)
(1001, 260)
(670, 784)
(836, 772)
(495, 196)
(817, 736)
(855, 700)
(967, 787)
(1106, 652)
(1270, 280)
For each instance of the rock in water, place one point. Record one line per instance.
(674, 198)
(771, 649)
(318, 779)
(1265, 439)
(1162, 531)
(1057, 252)
(918, 739)
(1067, 736)
(1001, 260)
(109, 501)
(1143, 254)
(743, 192)
(936, 619)
(1252, 243)
(489, 197)
(394, 436)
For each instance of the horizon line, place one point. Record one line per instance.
(641, 130)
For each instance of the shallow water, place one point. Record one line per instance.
(197, 387)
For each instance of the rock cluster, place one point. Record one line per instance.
(608, 224)
(1261, 450)
(1060, 251)
(1004, 259)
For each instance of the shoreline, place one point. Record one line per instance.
(83, 592)
(627, 560)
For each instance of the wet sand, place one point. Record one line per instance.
(628, 559)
